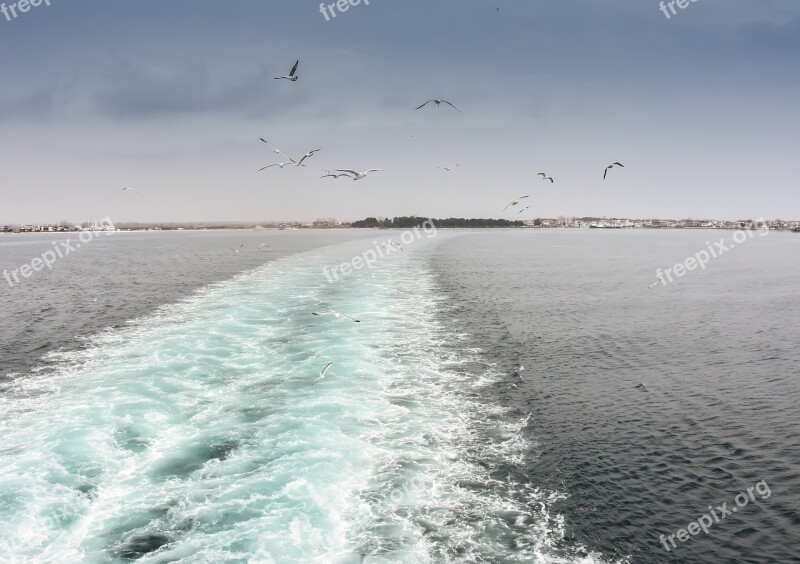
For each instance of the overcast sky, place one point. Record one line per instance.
(170, 97)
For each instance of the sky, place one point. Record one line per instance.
(171, 96)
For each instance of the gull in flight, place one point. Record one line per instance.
(323, 372)
(237, 250)
(545, 177)
(335, 314)
(276, 164)
(358, 175)
(334, 175)
(309, 154)
(131, 189)
(523, 209)
(643, 387)
(659, 281)
(447, 168)
(262, 245)
(438, 103)
(518, 373)
(292, 74)
(276, 150)
(391, 243)
(515, 202)
(609, 167)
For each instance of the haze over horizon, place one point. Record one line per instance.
(172, 98)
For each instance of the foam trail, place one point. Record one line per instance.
(195, 435)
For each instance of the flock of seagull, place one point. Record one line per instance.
(360, 175)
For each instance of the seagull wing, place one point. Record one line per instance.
(425, 104)
(337, 314)
(268, 166)
(374, 170)
(294, 68)
(620, 164)
(543, 175)
(323, 372)
(287, 156)
(451, 105)
(551, 179)
(347, 171)
(606, 172)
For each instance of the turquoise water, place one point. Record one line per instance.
(195, 434)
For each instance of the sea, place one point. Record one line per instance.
(520, 395)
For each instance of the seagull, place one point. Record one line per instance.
(447, 168)
(523, 209)
(276, 164)
(262, 245)
(309, 154)
(237, 250)
(323, 372)
(335, 314)
(334, 175)
(643, 387)
(131, 189)
(358, 175)
(659, 281)
(517, 373)
(438, 103)
(515, 202)
(545, 177)
(292, 74)
(276, 150)
(610, 167)
(391, 243)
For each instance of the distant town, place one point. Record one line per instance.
(410, 221)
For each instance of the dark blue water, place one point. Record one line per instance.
(717, 350)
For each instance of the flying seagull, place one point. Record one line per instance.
(131, 189)
(518, 373)
(439, 103)
(237, 250)
(643, 387)
(334, 175)
(447, 168)
(391, 243)
(515, 202)
(262, 245)
(276, 150)
(335, 314)
(323, 372)
(523, 209)
(276, 164)
(292, 74)
(545, 177)
(659, 281)
(610, 167)
(358, 175)
(309, 154)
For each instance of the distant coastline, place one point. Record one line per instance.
(406, 222)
